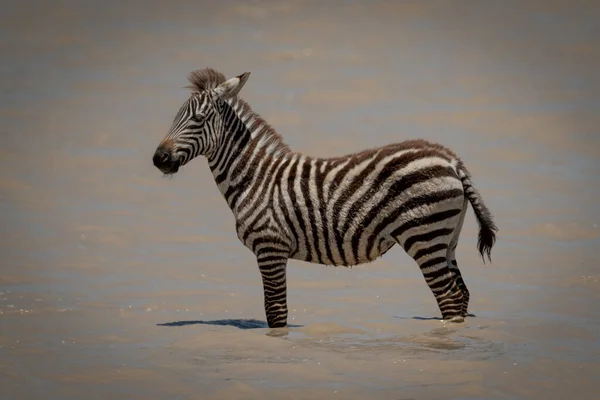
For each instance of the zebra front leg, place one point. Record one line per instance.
(272, 268)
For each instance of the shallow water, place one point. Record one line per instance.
(117, 283)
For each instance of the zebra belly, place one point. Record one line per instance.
(330, 253)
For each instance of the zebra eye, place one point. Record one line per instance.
(197, 118)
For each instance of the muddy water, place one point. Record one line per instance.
(118, 283)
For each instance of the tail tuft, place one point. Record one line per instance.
(487, 227)
(486, 240)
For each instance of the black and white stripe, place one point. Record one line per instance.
(337, 211)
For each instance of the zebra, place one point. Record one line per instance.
(340, 211)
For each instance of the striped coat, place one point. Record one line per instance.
(345, 210)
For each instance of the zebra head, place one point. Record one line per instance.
(198, 127)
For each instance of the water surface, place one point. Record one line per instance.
(118, 283)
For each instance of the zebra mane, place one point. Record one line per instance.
(205, 79)
(262, 132)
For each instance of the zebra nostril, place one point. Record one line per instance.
(162, 158)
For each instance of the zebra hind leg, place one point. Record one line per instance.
(453, 265)
(431, 254)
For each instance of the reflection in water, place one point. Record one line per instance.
(98, 251)
(438, 343)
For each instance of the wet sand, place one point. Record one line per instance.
(118, 283)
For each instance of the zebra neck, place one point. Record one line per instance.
(248, 145)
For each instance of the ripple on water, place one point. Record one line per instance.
(441, 342)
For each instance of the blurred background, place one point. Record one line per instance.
(118, 283)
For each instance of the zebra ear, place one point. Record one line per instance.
(231, 87)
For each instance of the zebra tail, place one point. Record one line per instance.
(487, 227)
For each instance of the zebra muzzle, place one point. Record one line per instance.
(165, 162)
